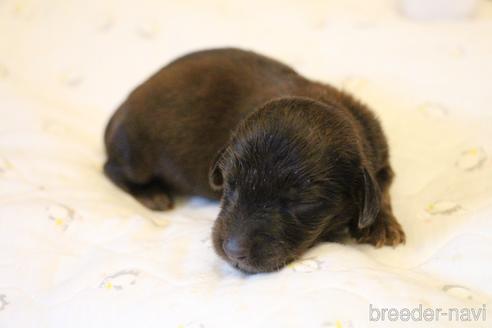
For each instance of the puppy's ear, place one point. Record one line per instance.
(215, 178)
(368, 197)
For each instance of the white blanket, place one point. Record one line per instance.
(75, 251)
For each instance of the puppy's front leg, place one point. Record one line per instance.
(385, 230)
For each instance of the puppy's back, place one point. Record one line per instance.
(172, 125)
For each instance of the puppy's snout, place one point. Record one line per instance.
(235, 249)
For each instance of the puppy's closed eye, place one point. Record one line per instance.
(309, 207)
(300, 209)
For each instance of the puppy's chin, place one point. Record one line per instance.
(271, 263)
(271, 266)
(268, 265)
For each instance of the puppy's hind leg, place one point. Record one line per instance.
(151, 193)
(153, 196)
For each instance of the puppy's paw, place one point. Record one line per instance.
(384, 232)
(156, 201)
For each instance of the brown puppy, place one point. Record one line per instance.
(295, 162)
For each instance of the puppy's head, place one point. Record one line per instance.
(291, 174)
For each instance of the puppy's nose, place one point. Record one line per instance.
(234, 249)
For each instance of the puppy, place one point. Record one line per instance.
(294, 162)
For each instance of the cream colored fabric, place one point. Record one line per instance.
(77, 252)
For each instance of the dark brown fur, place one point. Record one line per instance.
(294, 161)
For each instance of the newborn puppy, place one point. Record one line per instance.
(295, 162)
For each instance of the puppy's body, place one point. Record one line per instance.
(171, 126)
(220, 120)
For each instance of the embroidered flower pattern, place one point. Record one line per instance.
(471, 159)
(442, 207)
(3, 302)
(62, 216)
(120, 280)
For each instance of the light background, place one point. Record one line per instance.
(75, 251)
